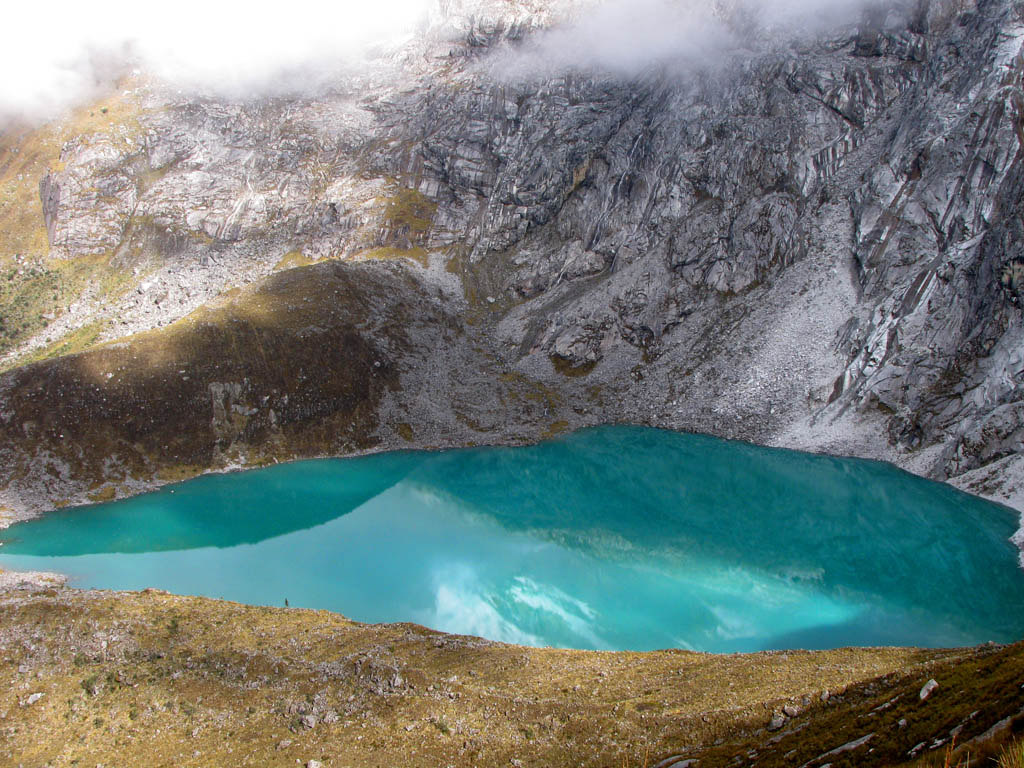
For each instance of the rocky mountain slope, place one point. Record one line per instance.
(814, 243)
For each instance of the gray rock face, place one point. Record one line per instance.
(929, 688)
(815, 244)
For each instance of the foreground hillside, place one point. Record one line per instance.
(156, 680)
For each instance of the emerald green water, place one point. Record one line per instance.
(617, 537)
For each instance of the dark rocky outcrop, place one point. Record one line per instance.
(296, 367)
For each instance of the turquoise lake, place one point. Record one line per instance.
(608, 538)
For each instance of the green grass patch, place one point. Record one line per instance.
(30, 301)
(25, 299)
(77, 341)
(566, 367)
(409, 210)
(31, 296)
(293, 260)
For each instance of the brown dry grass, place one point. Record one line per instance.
(154, 679)
(1012, 756)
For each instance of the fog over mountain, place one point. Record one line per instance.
(626, 37)
(227, 48)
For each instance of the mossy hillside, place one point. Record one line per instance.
(34, 288)
(566, 367)
(154, 679)
(29, 299)
(398, 217)
(293, 367)
(32, 296)
(26, 155)
(292, 260)
(77, 341)
(409, 214)
(973, 694)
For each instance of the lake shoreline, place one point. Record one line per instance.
(726, 547)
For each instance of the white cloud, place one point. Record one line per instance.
(59, 52)
(626, 37)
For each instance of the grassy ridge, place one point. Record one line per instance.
(154, 679)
